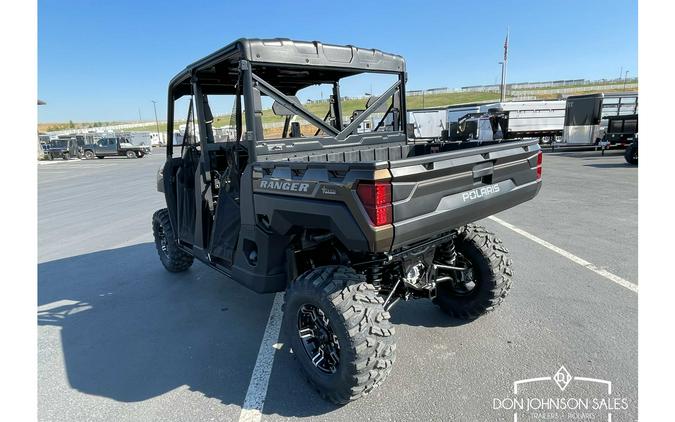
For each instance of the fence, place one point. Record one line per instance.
(575, 90)
(100, 129)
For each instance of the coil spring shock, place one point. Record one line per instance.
(374, 275)
(446, 253)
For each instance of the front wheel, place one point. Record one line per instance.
(631, 154)
(173, 258)
(339, 332)
(131, 154)
(484, 283)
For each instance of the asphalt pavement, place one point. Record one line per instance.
(122, 339)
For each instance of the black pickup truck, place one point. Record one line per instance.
(346, 223)
(114, 146)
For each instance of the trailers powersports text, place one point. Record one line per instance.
(346, 223)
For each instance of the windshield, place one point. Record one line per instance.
(60, 143)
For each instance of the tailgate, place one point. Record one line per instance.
(438, 192)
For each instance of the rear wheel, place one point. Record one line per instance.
(484, 283)
(88, 155)
(173, 259)
(631, 154)
(339, 332)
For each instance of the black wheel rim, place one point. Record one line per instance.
(465, 282)
(318, 339)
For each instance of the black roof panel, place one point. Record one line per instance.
(327, 60)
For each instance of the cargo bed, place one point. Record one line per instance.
(432, 191)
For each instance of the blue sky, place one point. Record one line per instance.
(101, 61)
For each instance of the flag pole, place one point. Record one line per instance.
(506, 59)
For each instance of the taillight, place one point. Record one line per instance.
(376, 199)
(540, 159)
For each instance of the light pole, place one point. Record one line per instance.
(624, 80)
(154, 106)
(502, 87)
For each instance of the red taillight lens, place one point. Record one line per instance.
(376, 199)
(540, 160)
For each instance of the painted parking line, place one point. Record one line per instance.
(251, 410)
(600, 271)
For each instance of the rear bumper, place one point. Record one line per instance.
(457, 210)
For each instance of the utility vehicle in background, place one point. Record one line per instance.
(61, 147)
(622, 132)
(114, 146)
(346, 223)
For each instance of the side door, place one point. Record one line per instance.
(110, 147)
(101, 145)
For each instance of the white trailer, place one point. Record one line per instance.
(513, 119)
(157, 139)
(428, 123)
(529, 119)
(141, 139)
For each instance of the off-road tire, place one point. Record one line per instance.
(492, 270)
(173, 259)
(359, 321)
(131, 154)
(631, 155)
(88, 155)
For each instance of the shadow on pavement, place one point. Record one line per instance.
(588, 155)
(131, 331)
(423, 313)
(610, 165)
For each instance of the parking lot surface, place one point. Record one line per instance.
(122, 339)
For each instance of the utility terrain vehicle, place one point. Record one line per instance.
(346, 223)
(64, 148)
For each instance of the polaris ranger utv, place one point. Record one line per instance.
(346, 223)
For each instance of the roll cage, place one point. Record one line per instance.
(279, 68)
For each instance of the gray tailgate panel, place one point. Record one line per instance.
(441, 192)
